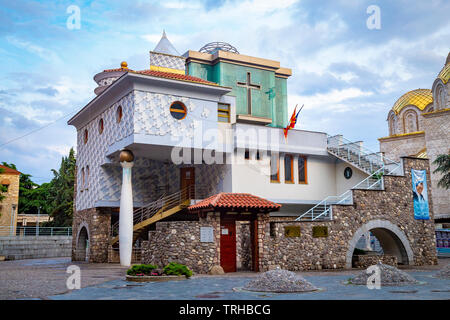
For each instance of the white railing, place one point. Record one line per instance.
(375, 181)
(355, 153)
(11, 231)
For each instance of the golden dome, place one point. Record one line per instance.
(124, 65)
(444, 75)
(419, 98)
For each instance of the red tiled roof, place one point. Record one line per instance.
(167, 75)
(8, 170)
(236, 201)
(175, 76)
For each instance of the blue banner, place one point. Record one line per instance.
(420, 194)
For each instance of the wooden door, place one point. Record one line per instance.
(228, 245)
(187, 176)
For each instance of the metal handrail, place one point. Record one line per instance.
(22, 231)
(374, 159)
(323, 208)
(164, 202)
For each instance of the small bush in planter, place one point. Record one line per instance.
(141, 269)
(177, 269)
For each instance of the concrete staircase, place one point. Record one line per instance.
(372, 163)
(31, 247)
(155, 211)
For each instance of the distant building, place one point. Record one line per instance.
(8, 207)
(419, 126)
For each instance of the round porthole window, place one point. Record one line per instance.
(348, 172)
(178, 110)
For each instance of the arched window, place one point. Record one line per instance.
(100, 126)
(87, 178)
(441, 98)
(85, 138)
(119, 114)
(82, 180)
(178, 110)
(410, 122)
(392, 130)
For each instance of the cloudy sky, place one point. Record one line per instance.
(347, 75)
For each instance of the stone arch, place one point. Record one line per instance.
(392, 124)
(392, 240)
(439, 95)
(410, 121)
(82, 243)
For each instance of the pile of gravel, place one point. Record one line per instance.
(444, 272)
(279, 281)
(390, 276)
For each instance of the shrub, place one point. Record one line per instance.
(177, 269)
(145, 269)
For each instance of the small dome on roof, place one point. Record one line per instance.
(213, 47)
(165, 46)
(419, 98)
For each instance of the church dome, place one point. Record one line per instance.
(213, 47)
(444, 75)
(419, 98)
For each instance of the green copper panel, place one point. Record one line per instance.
(227, 74)
(281, 102)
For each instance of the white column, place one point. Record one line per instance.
(126, 216)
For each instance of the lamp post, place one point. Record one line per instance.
(126, 209)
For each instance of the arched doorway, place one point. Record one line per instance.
(392, 240)
(82, 249)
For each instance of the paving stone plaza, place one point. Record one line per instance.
(45, 279)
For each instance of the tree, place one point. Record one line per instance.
(60, 191)
(443, 166)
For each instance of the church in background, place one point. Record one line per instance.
(194, 149)
(419, 126)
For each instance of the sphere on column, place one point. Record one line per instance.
(126, 156)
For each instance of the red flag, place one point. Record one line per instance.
(292, 121)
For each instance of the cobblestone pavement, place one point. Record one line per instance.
(46, 279)
(40, 278)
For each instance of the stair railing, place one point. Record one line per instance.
(163, 203)
(364, 158)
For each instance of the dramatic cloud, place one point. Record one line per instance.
(346, 75)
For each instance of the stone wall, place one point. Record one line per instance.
(437, 126)
(11, 198)
(243, 246)
(179, 241)
(404, 145)
(392, 210)
(365, 261)
(98, 224)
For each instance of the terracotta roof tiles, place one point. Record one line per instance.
(235, 201)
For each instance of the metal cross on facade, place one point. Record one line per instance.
(249, 85)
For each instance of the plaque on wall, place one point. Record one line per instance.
(320, 231)
(206, 234)
(292, 231)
